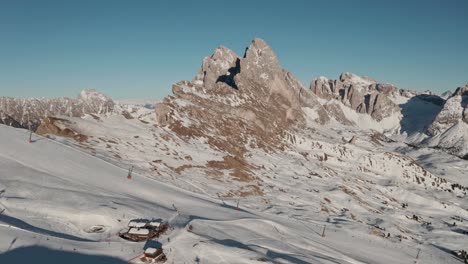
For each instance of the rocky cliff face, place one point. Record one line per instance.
(245, 99)
(29, 113)
(362, 94)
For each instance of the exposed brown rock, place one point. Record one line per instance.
(127, 115)
(58, 127)
(353, 140)
(362, 94)
(162, 114)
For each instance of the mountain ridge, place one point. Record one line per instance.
(256, 86)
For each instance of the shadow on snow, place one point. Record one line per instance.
(37, 254)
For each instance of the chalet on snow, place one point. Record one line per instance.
(142, 229)
(154, 255)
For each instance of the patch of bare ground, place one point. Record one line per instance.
(240, 168)
(325, 210)
(214, 173)
(357, 198)
(180, 169)
(185, 132)
(377, 138)
(377, 232)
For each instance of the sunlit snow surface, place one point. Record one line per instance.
(53, 194)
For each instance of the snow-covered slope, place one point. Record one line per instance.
(454, 140)
(53, 195)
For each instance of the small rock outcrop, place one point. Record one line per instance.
(9, 121)
(58, 127)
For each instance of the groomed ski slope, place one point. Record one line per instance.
(51, 195)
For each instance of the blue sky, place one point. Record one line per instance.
(137, 49)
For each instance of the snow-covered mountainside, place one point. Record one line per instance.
(452, 112)
(244, 132)
(53, 197)
(420, 118)
(448, 130)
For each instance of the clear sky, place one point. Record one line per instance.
(137, 49)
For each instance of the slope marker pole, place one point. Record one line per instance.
(323, 232)
(129, 176)
(417, 256)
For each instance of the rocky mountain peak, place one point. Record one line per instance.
(445, 95)
(461, 91)
(248, 99)
(221, 66)
(95, 102)
(259, 49)
(355, 79)
(93, 94)
(260, 62)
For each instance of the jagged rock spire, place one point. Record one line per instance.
(219, 67)
(260, 62)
